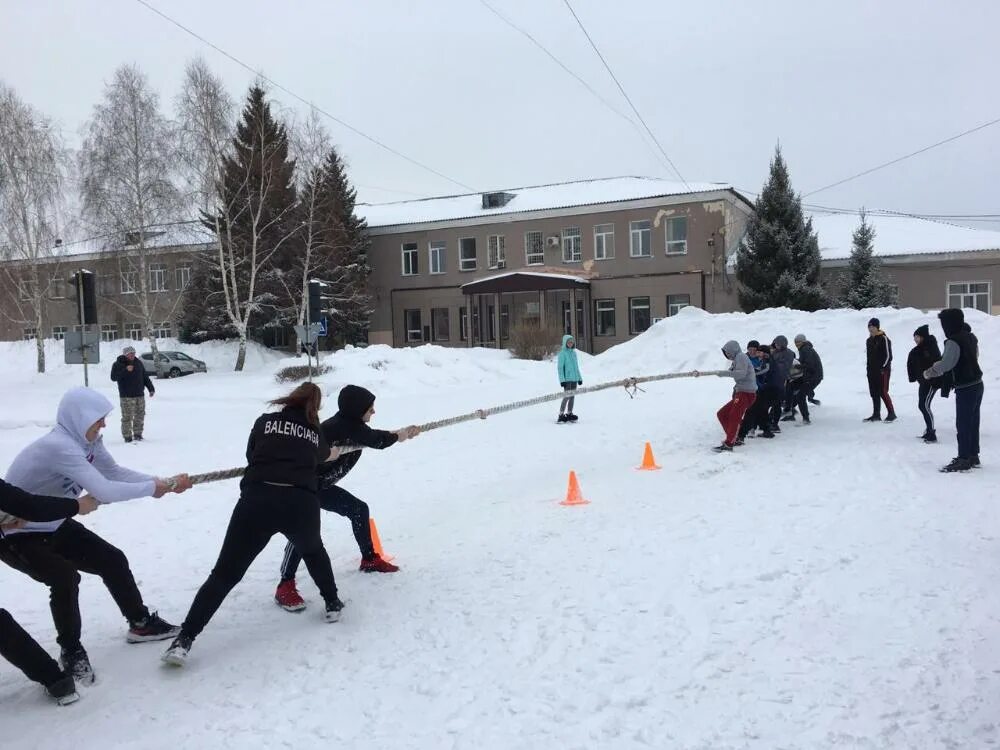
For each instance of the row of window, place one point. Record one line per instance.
(109, 332)
(125, 282)
(640, 243)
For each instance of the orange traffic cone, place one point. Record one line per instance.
(376, 542)
(573, 494)
(648, 462)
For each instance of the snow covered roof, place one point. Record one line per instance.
(539, 274)
(900, 235)
(180, 235)
(521, 200)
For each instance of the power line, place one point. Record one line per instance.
(292, 94)
(903, 158)
(622, 90)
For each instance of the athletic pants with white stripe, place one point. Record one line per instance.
(925, 395)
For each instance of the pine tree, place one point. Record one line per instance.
(778, 264)
(865, 284)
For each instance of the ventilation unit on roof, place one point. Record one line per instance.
(497, 200)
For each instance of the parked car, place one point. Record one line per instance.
(173, 364)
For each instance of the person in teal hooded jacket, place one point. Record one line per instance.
(569, 377)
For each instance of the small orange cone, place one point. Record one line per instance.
(648, 462)
(376, 542)
(573, 494)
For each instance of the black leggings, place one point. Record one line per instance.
(21, 650)
(343, 503)
(263, 510)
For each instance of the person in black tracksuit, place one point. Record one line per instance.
(921, 357)
(16, 645)
(356, 407)
(878, 365)
(811, 367)
(277, 495)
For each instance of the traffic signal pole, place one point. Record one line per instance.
(83, 326)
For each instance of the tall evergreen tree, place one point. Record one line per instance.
(865, 284)
(778, 264)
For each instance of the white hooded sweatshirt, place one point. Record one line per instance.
(64, 463)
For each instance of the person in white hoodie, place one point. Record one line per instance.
(67, 461)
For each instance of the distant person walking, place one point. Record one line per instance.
(879, 368)
(131, 376)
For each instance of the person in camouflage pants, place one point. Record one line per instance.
(133, 417)
(131, 377)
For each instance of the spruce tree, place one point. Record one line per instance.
(865, 284)
(778, 264)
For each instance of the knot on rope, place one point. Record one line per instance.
(632, 387)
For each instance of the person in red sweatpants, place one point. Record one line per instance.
(744, 394)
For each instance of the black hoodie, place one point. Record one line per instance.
(961, 350)
(348, 426)
(922, 356)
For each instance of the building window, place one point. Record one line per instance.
(638, 314)
(130, 282)
(109, 331)
(676, 303)
(157, 277)
(572, 245)
(28, 334)
(568, 322)
(640, 233)
(161, 330)
(57, 288)
(677, 235)
(604, 314)
(463, 322)
(410, 258)
(414, 329)
(59, 332)
(467, 254)
(491, 326)
(496, 252)
(604, 242)
(534, 249)
(440, 325)
(106, 284)
(436, 252)
(973, 294)
(182, 276)
(133, 331)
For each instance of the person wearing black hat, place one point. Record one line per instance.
(356, 407)
(922, 356)
(879, 368)
(960, 359)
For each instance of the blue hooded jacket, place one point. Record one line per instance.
(569, 369)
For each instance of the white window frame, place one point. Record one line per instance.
(436, 257)
(962, 295)
(633, 331)
(109, 331)
(572, 241)
(182, 277)
(674, 307)
(675, 247)
(133, 278)
(496, 251)
(602, 233)
(534, 258)
(419, 337)
(158, 273)
(635, 238)
(409, 258)
(133, 331)
(434, 322)
(163, 330)
(29, 333)
(59, 332)
(462, 260)
(57, 285)
(607, 308)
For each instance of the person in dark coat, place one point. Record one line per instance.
(921, 357)
(879, 367)
(811, 375)
(131, 376)
(781, 369)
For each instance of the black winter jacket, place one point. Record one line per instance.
(879, 352)
(285, 448)
(130, 384)
(348, 426)
(812, 365)
(20, 504)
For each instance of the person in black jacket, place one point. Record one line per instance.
(356, 407)
(878, 365)
(811, 375)
(131, 377)
(277, 495)
(921, 357)
(16, 645)
(781, 370)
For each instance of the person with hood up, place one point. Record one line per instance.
(569, 377)
(961, 359)
(921, 357)
(744, 393)
(356, 407)
(782, 360)
(70, 459)
(878, 365)
(811, 369)
(16, 645)
(131, 377)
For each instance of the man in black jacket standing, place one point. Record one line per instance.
(879, 368)
(131, 377)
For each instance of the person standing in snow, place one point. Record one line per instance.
(70, 459)
(356, 407)
(961, 360)
(921, 357)
(569, 377)
(781, 370)
(744, 393)
(132, 378)
(879, 368)
(16, 645)
(277, 496)
(811, 375)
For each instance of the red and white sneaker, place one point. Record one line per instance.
(287, 597)
(377, 565)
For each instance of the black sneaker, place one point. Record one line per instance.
(572, 417)
(767, 434)
(739, 441)
(873, 418)
(724, 448)
(177, 653)
(128, 440)
(76, 664)
(788, 418)
(930, 437)
(562, 419)
(63, 690)
(957, 464)
(806, 420)
(138, 438)
(975, 462)
(814, 401)
(153, 628)
(890, 417)
(333, 610)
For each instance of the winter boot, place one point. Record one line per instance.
(287, 597)
(767, 434)
(152, 628)
(890, 417)
(63, 690)
(377, 565)
(177, 653)
(333, 610)
(572, 417)
(76, 663)
(873, 418)
(957, 464)
(562, 419)
(930, 436)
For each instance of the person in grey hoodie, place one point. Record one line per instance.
(68, 460)
(744, 393)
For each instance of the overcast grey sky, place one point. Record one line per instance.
(843, 85)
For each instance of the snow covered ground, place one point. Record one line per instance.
(827, 589)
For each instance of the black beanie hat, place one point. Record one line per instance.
(354, 401)
(753, 344)
(923, 332)
(875, 322)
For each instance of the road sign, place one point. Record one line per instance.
(76, 343)
(323, 328)
(308, 335)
